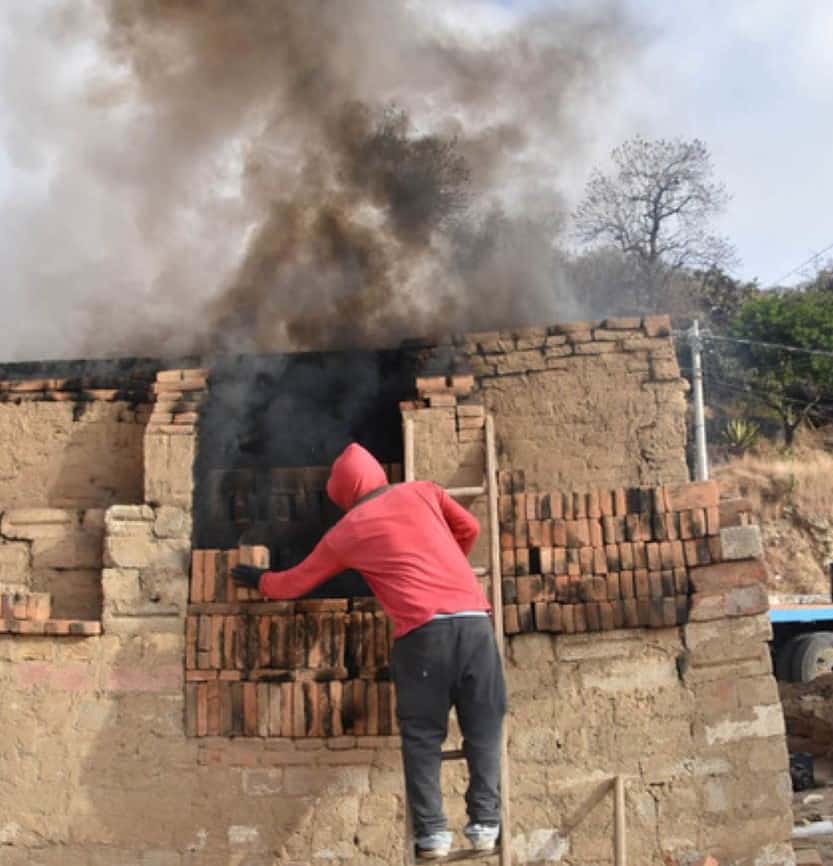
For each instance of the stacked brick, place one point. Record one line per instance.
(308, 668)
(282, 501)
(73, 390)
(644, 340)
(453, 395)
(29, 613)
(178, 396)
(605, 559)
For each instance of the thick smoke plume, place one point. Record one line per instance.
(260, 175)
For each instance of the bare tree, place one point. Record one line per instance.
(656, 207)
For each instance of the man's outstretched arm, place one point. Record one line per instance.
(295, 582)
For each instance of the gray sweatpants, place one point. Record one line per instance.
(445, 663)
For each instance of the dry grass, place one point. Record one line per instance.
(792, 496)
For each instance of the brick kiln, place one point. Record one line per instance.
(204, 725)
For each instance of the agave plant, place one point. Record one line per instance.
(740, 434)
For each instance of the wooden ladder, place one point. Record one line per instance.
(490, 489)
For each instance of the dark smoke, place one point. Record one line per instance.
(260, 175)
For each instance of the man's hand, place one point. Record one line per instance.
(248, 575)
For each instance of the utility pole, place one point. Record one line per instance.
(701, 462)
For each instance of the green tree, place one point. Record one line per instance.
(794, 385)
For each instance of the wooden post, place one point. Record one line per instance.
(409, 449)
(620, 854)
(497, 613)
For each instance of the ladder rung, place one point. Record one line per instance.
(453, 755)
(459, 854)
(466, 491)
(480, 570)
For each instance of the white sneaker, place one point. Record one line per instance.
(483, 837)
(434, 846)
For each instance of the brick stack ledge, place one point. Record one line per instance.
(256, 668)
(28, 613)
(607, 559)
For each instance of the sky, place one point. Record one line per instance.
(752, 78)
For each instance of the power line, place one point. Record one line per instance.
(818, 411)
(782, 346)
(823, 401)
(803, 264)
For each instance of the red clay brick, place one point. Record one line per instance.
(640, 555)
(511, 623)
(555, 618)
(580, 618)
(591, 609)
(655, 584)
(612, 557)
(519, 507)
(593, 505)
(698, 522)
(586, 556)
(654, 555)
(677, 554)
(525, 618)
(630, 610)
(697, 494)
(613, 588)
(568, 623)
(462, 385)
(556, 505)
(534, 533)
(579, 506)
(606, 617)
(599, 560)
(594, 589)
(642, 584)
(665, 555)
(657, 326)
(521, 534)
(606, 503)
(725, 575)
(712, 521)
(578, 533)
(620, 502)
(250, 709)
(197, 560)
(559, 560)
(626, 584)
(522, 561)
(430, 384)
(529, 589)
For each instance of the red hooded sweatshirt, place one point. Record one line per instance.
(410, 543)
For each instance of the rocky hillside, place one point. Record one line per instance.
(792, 496)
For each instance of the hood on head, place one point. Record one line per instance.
(355, 473)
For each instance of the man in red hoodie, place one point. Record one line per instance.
(410, 542)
